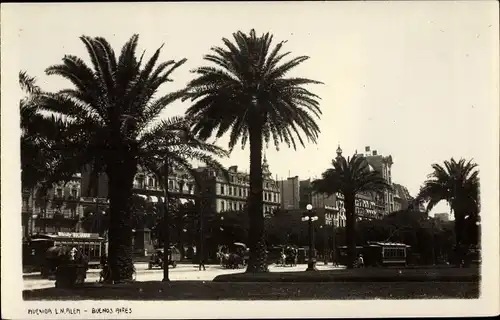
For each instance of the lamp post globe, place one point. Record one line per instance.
(309, 207)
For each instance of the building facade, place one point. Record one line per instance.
(290, 193)
(232, 195)
(402, 197)
(369, 205)
(382, 164)
(59, 210)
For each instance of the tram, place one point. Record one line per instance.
(90, 244)
(378, 254)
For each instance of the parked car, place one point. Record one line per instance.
(156, 259)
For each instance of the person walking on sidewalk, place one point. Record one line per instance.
(201, 262)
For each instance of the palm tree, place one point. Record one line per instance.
(350, 177)
(39, 135)
(247, 93)
(457, 182)
(110, 112)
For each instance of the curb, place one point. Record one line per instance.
(352, 279)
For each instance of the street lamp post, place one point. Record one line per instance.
(310, 218)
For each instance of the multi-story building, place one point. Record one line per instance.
(290, 193)
(369, 205)
(59, 210)
(232, 195)
(382, 164)
(181, 186)
(402, 197)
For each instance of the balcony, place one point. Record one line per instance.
(71, 214)
(176, 189)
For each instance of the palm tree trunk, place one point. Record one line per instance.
(258, 256)
(459, 223)
(121, 176)
(350, 230)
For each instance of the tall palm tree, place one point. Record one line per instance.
(457, 182)
(110, 111)
(350, 177)
(246, 93)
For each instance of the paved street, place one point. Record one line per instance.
(181, 273)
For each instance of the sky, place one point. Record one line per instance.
(414, 80)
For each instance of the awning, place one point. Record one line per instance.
(154, 199)
(142, 196)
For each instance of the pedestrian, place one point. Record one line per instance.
(361, 262)
(202, 263)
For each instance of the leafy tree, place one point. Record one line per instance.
(350, 176)
(245, 92)
(110, 112)
(171, 147)
(457, 182)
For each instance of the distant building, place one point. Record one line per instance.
(290, 193)
(444, 216)
(369, 205)
(382, 164)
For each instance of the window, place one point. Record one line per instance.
(241, 206)
(241, 192)
(221, 189)
(222, 205)
(275, 198)
(170, 184)
(74, 193)
(59, 192)
(230, 190)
